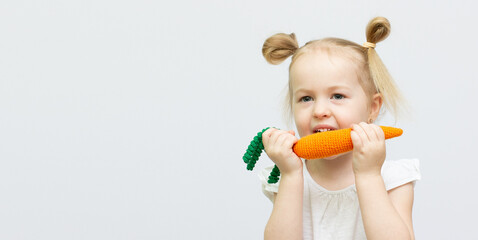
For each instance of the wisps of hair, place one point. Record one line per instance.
(378, 30)
(279, 47)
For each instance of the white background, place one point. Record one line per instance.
(128, 119)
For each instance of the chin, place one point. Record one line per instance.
(336, 156)
(331, 158)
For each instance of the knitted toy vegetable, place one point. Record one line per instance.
(314, 146)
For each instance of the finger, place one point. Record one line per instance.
(266, 136)
(268, 132)
(289, 141)
(368, 131)
(360, 132)
(371, 131)
(276, 137)
(289, 144)
(292, 132)
(282, 138)
(379, 132)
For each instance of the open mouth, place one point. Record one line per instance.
(323, 130)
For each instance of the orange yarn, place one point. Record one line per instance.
(330, 143)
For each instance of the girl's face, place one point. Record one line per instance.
(326, 93)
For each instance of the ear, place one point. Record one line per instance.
(377, 101)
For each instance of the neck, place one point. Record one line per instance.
(332, 173)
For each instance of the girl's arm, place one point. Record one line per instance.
(386, 215)
(286, 217)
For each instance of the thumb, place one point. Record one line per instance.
(356, 141)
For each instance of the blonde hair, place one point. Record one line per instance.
(372, 73)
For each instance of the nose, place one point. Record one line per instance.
(321, 110)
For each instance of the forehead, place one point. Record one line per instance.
(320, 69)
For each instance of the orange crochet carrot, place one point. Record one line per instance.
(326, 144)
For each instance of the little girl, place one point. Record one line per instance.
(335, 84)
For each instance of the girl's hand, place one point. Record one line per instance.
(278, 146)
(369, 148)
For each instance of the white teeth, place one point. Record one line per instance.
(322, 130)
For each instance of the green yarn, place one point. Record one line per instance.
(253, 153)
(274, 177)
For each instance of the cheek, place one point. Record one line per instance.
(360, 114)
(350, 116)
(301, 122)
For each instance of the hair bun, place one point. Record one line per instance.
(279, 47)
(377, 29)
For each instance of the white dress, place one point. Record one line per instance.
(336, 214)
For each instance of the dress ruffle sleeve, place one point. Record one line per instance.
(396, 173)
(267, 188)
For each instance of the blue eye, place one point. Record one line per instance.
(338, 96)
(305, 99)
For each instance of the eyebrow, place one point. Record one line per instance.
(329, 88)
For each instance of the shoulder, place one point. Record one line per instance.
(396, 173)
